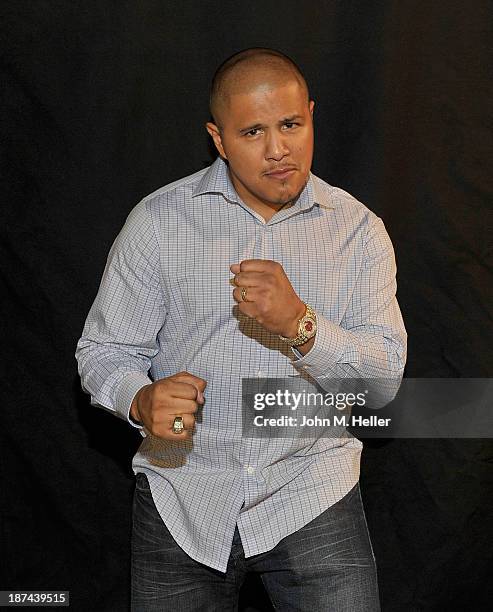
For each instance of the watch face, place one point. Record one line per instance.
(309, 327)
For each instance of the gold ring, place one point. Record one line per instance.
(243, 294)
(178, 426)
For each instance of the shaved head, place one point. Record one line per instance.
(250, 69)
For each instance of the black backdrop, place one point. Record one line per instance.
(103, 102)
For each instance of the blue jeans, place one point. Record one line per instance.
(326, 565)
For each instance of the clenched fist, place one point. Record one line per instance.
(268, 296)
(156, 405)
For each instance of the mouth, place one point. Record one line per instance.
(281, 173)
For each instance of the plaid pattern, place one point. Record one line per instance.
(165, 305)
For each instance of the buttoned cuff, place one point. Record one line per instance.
(333, 345)
(127, 390)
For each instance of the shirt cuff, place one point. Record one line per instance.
(127, 390)
(333, 345)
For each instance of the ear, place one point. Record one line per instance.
(215, 133)
(311, 106)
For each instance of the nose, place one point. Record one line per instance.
(275, 146)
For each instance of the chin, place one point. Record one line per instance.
(281, 200)
(291, 195)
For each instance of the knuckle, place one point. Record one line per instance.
(154, 389)
(262, 308)
(187, 393)
(159, 389)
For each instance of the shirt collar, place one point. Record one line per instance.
(216, 179)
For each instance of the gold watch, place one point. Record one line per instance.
(307, 328)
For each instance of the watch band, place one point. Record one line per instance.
(307, 328)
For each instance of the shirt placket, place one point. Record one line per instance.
(249, 452)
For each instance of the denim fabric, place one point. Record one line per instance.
(328, 565)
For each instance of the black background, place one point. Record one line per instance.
(104, 102)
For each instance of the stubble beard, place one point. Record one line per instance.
(286, 201)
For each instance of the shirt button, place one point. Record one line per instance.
(250, 469)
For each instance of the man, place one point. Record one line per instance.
(250, 268)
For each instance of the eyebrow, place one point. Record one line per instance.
(257, 126)
(250, 127)
(291, 118)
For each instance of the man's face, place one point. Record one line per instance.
(267, 138)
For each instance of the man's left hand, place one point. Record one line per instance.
(270, 297)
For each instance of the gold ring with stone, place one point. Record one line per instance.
(244, 294)
(178, 425)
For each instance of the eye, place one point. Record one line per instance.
(253, 132)
(289, 125)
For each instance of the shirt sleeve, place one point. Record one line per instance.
(369, 345)
(120, 334)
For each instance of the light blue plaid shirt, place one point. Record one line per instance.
(165, 305)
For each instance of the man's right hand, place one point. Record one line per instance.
(156, 405)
